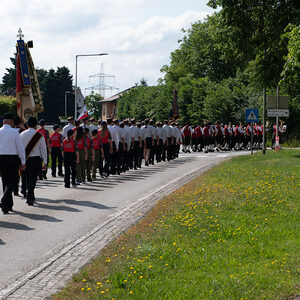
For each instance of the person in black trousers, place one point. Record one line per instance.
(12, 151)
(105, 137)
(38, 150)
(70, 155)
(56, 144)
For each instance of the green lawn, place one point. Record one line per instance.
(233, 233)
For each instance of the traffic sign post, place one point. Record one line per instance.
(251, 115)
(274, 112)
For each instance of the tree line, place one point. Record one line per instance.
(223, 63)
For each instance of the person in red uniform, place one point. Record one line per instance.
(227, 137)
(194, 140)
(219, 136)
(56, 144)
(71, 157)
(104, 136)
(81, 146)
(45, 133)
(90, 153)
(249, 131)
(77, 124)
(187, 134)
(239, 136)
(199, 137)
(98, 149)
(259, 128)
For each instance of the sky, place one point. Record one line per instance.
(138, 36)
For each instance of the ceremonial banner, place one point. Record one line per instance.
(28, 95)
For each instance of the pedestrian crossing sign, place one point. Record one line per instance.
(251, 115)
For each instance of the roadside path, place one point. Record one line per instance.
(44, 245)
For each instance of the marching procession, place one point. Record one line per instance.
(110, 147)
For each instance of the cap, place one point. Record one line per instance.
(70, 118)
(92, 119)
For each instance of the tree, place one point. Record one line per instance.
(290, 76)
(93, 104)
(55, 84)
(257, 27)
(202, 53)
(8, 86)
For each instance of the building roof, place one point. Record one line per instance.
(116, 96)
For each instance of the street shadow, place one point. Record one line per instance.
(86, 188)
(16, 226)
(38, 217)
(52, 207)
(145, 172)
(86, 203)
(1, 242)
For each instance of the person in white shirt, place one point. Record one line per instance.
(161, 153)
(123, 148)
(174, 139)
(115, 142)
(179, 139)
(137, 143)
(169, 140)
(93, 125)
(147, 133)
(68, 127)
(12, 155)
(141, 148)
(155, 142)
(35, 146)
(85, 124)
(129, 143)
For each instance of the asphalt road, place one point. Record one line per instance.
(31, 235)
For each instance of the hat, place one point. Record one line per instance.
(92, 119)
(115, 120)
(55, 127)
(103, 123)
(70, 118)
(8, 117)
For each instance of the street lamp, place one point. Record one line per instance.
(97, 54)
(66, 111)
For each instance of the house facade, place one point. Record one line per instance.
(109, 105)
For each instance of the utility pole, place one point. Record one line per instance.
(97, 54)
(102, 87)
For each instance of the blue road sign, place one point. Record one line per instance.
(251, 115)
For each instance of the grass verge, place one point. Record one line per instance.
(233, 233)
